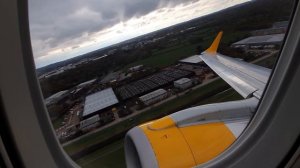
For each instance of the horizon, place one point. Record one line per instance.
(50, 48)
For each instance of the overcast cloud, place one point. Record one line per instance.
(61, 29)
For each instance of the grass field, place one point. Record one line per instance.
(227, 95)
(171, 55)
(168, 56)
(107, 157)
(268, 62)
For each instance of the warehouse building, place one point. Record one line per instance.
(99, 102)
(277, 28)
(183, 83)
(136, 68)
(57, 98)
(58, 103)
(154, 96)
(260, 42)
(89, 123)
(87, 83)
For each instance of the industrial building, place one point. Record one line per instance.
(151, 83)
(87, 83)
(89, 123)
(183, 83)
(277, 28)
(136, 68)
(153, 97)
(264, 38)
(57, 97)
(260, 42)
(58, 103)
(99, 101)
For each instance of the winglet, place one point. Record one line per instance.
(214, 46)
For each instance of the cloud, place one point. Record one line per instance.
(57, 26)
(54, 21)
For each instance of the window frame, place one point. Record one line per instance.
(32, 138)
(31, 129)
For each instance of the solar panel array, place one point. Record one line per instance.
(150, 83)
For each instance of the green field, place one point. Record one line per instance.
(268, 62)
(167, 57)
(106, 157)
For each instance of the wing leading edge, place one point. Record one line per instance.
(247, 79)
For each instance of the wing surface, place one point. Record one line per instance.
(246, 78)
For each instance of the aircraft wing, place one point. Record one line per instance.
(196, 135)
(247, 79)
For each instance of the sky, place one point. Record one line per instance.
(65, 29)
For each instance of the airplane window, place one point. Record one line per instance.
(163, 83)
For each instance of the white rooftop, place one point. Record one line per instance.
(89, 121)
(135, 67)
(193, 59)
(274, 38)
(86, 83)
(99, 101)
(153, 94)
(182, 81)
(55, 96)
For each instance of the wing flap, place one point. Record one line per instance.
(259, 73)
(230, 76)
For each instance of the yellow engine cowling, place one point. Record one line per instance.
(163, 144)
